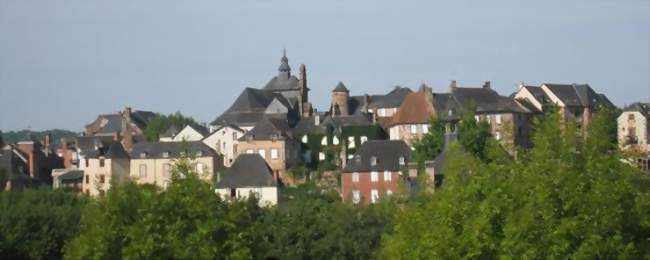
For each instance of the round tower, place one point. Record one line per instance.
(340, 96)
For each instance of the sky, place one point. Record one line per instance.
(63, 62)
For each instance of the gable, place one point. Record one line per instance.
(276, 107)
(188, 134)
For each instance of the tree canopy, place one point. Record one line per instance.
(159, 124)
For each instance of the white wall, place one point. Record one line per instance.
(268, 196)
(187, 134)
(224, 137)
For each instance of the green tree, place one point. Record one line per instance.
(35, 223)
(432, 143)
(161, 123)
(473, 135)
(565, 198)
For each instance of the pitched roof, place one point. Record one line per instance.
(486, 100)
(268, 129)
(204, 131)
(576, 94)
(340, 88)
(416, 109)
(248, 170)
(170, 132)
(72, 175)
(249, 107)
(643, 108)
(108, 150)
(155, 150)
(393, 99)
(387, 155)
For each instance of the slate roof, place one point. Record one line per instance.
(386, 152)
(351, 120)
(340, 88)
(643, 108)
(486, 100)
(72, 175)
(539, 94)
(393, 99)
(114, 121)
(248, 170)
(155, 150)
(439, 161)
(170, 132)
(87, 143)
(268, 129)
(108, 150)
(282, 83)
(415, 109)
(249, 107)
(581, 95)
(204, 131)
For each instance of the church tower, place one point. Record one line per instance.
(340, 96)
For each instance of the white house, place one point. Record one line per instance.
(249, 176)
(224, 141)
(191, 132)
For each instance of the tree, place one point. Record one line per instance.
(161, 123)
(563, 199)
(35, 223)
(473, 134)
(432, 143)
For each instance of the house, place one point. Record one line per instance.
(412, 120)
(509, 120)
(284, 97)
(273, 141)
(576, 102)
(14, 168)
(375, 171)
(129, 125)
(225, 141)
(41, 157)
(70, 179)
(249, 175)
(151, 162)
(169, 134)
(107, 164)
(634, 128)
(191, 132)
(384, 107)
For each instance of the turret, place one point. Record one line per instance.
(340, 96)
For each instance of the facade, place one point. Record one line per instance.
(191, 132)
(151, 163)
(106, 165)
(412, 120)
(225, 141)
(14, 168)
(69, 179)
(249, 176)
(375, 171)
(634, 128)
(273, 141)
(127, 125)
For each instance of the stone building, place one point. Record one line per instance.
(634, 128)
(107, 164)
(249, 175)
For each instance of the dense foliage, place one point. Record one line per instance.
(473, 134)
(431, 143)
(36, 223)
(159, 124)
(563, 199)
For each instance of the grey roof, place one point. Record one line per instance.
(283, 83)
(170, 132)
(108, 150)
(72, 175)
(87, 143)
(577, 94)
(14, 162)
(351, 120)
(248, 170)
(268, 129)
(486, 100)
(340, 88)
(114, 121)
(308, 125)
(439, 161)
(539, 94)
(204, 131)
(249, 107)
(155, 150)
(391, 100)
(643, 108)
(387, 154)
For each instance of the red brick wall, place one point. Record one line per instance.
(365, 185)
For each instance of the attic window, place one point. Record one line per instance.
(182, 153)
(402, 161)
(165, 154)
(143, 154)
(199, 153)
(373, 161)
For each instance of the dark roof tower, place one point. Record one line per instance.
(284, 69)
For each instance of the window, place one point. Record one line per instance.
(387, 176)
(324, 140)
(630, 117)
(165, 171)
(165, 154)
(199, 153)
(143, 155)
(335, 140)
(374, 196)
(389, 192)
(425, 128)
(382, 112)
(497, 118)
(477, 118)
(234, 149)
(87, 179)
(373, 161)
(374, 176)
(321, 156)
(218, 146)
(402, 161)
(143, 171)
(86, 161)
(234, 136)
(200, 168)
(274, 153)
(101, 162)
(355, 177)
(351, 143)
(307, 156)
(356, 196)
(497, 135)
(364, 139)
(414, 129)
(262, 153)
(102, 178)
(249, 151)
(305, 139)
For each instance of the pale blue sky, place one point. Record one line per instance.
(64, 62)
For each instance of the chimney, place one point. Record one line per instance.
(116, 136)
(317, 119)
(366, 102)
(486, 84)
(128, 111)
(521, 85)
(452, 85)
(428, 93)
(47, 139)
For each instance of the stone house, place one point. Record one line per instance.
(128, 125)
(249, 175)
(225, 141)
(412, 120)
(107, 164)
(634, 128)
(190, 132)
(375, 171)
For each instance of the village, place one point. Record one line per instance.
(272, 137)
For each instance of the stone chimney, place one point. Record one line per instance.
(487, 84)
(47, 139)
(366, 102)
(452, 85)
(128, 111)
(428, 93)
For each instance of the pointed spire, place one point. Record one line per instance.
(284, 62)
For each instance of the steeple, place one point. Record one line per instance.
(284, 69)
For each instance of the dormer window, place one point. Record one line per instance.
(373, 161)
(165, 154)
(143, 155)
(402, 161)
(182, 153)
(199, 153)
